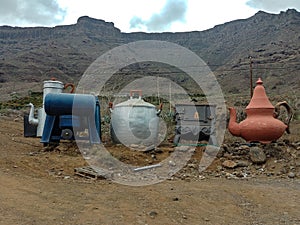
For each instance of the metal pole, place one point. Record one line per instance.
(251, 81)
(157, 88)
(170, 93)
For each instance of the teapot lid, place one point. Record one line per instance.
(259, 98)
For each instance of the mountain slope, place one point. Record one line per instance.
(31, 55)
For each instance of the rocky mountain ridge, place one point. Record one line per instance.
(31, 55)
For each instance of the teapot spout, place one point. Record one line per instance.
(233, 127)
(31, 118)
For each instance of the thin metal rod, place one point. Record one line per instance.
(251, 79)
(147, 167)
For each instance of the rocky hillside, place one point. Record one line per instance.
(31, 55)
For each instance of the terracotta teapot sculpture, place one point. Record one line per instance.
(261, 124)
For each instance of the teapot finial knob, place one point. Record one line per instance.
(259, 81)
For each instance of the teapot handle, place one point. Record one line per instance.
(70, 85)
(159, 109)
(289, 113)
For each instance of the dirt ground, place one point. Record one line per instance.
(40, 187)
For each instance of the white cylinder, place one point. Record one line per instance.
(41, 119)
(50, 86)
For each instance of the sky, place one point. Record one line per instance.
(138, 15)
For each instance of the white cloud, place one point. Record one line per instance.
(274, 5)
(172, 11)
(152, 15)
(34, 12)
